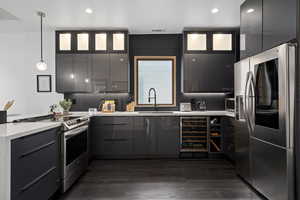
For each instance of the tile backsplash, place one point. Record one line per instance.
(82, 102)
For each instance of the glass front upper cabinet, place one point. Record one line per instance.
(222, 42)
(118, 42)
(196, 42)
(82, 42)
(100, 41)
(65, 41)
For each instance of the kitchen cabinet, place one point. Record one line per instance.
(118, 42)
(119, 72)
(208, 72)
(264, 26)
(64, 73)
(251, 28)
(228, 137)
(64, 42)
(156, 137)
(84, 73)
(35, 166)
(135, 137)
(91, 41)
(168, 136)
(73, 73)
(100, 72)
(279, 22)
(112, 137)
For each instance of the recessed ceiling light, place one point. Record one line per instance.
(214, 10)
(89, 11)
(250, 10)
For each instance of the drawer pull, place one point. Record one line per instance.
(116, 124)
(37, 149)
(115, 140)
(35, 181)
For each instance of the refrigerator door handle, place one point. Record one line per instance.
(246, 103)
(252, 98)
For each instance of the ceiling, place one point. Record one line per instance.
(139, 16)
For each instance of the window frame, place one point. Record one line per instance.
(136, 86)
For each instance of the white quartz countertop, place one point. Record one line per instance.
(11, 118)
(166, 113)
(10, 131)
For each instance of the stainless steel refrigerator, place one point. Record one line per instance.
(268, 113)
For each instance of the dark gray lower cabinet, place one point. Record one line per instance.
(157, 137)
(112, 137)
(35, 169)
(228, 137)
(135, 137)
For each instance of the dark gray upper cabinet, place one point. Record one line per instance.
(84, 73)
(88, 41)
(208, 73)
(279, 22)
(266, 24)
(35, 165)
(64, 73)
(100, 72)
(251, 28)
(119, 72)
(73, 73)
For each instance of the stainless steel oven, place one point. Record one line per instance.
(74, 151)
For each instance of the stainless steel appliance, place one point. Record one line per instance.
(185, 107)
(230, 104)
(242, 134)
(75, 143)
(269, 115)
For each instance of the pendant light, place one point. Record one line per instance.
(41, 66)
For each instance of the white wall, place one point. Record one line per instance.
(19, 53)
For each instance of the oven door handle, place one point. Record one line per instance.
(76, 131)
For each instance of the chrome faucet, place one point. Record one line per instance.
(149, 97)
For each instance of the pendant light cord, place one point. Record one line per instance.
(42, 37)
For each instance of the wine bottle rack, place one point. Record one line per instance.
(215, 135)
(194, 134)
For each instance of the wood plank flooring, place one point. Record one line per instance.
(160, 180)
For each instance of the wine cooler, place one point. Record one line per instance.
(194, 134)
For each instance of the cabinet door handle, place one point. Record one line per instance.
(116, 124)
(147, 127)
(35, 181)
(37, 149)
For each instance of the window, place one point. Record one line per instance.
(100, 41)
(222, 42)
(196, 42)
(65, 41)
(83, 42)
(158, 73)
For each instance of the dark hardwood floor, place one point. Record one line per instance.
(160, 180)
